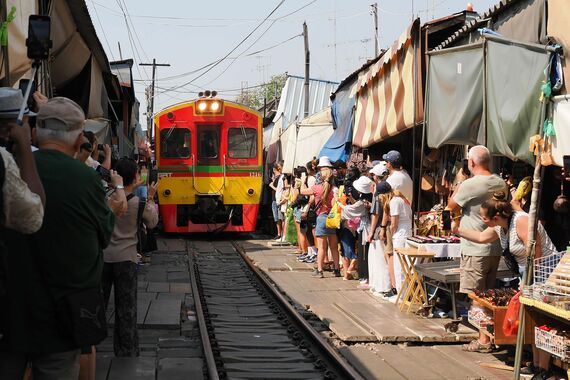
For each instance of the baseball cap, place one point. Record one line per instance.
(393, 157)
(61, 114)
(383, 187)
(379, 169)
(11, 100)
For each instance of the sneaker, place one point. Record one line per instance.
(363, 280)
(476, 346)
(277, 238)
(390, 293)
(318, 274)
(363, 286)
(529, 370)
(337, 273)
(302, 257)
(310, 260)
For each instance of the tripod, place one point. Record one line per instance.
(35, 66)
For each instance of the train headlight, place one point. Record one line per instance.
(166, 192)
(209, 107)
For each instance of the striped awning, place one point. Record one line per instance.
(389, 95)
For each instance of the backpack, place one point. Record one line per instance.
(146, 239)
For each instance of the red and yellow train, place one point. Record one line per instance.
(209, 157)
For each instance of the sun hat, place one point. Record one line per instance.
(324, 162)
(11, 100)
(61, 114)
(394, 157)
(363, 185)
(379, 169)
(383, 187)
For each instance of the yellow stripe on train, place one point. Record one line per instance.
(183, 190)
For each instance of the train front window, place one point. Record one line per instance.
(175, 143)
(242, 143)
(208, 143)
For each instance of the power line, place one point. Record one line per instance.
(233, 49)
(102, 29)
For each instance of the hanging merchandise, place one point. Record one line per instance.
(561, 204)
(4, 26)
(556, 74)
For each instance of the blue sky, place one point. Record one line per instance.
(190, 34)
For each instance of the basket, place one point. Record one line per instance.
(478, 323)
(545, 279)
(555, 344)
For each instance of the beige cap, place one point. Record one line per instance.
(61, 114)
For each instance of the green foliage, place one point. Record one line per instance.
(253, 97)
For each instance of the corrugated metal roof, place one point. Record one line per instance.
(292, 101)
(474, 24)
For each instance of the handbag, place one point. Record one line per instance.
(333, 219)
(81, 316)
(146, 240)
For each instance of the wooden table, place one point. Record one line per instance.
(413, 291)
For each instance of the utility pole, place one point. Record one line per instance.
(375, 14)
(150, 123)
(307, 67)
(120, 51)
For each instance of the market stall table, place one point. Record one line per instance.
(413, 291)
(439, 249)
(445, 276)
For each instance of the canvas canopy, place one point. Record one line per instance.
(486, 93)
(303, 141)
(339, 145)
(389, 93)
(561, 122)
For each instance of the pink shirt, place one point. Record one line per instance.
(325, 205)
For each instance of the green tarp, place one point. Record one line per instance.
(486, 94)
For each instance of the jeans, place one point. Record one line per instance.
(52, 366)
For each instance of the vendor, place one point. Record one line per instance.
(511, 228)
(479, 262)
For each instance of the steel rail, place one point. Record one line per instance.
(333, 355)
(206, 344)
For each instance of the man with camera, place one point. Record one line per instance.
(56, 275)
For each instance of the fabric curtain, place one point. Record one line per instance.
(561, 122)
(454, 98)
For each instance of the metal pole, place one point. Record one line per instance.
(307, 67)
(154, 65)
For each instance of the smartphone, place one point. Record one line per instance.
(446, 220)
(104, 173)
(466, 170)
(38, 42)
(23, 87)
(566, 165)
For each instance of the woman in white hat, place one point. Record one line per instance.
(324, 199)
(356, 220)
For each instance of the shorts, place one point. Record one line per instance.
(297, 214)
(277, 214)
(388, 246)
(348, 241)
(321, 228)
(478, 273)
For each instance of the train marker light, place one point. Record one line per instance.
(250, 192)
(166, 192)
(215, 106)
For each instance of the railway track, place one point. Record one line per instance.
(248, 329)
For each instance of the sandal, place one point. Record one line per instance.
(476, 346)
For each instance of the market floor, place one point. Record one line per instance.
(379, 340)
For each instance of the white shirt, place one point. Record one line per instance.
(279, 188)
(92, 163)
(23, 210)
(400, 180)
(399, 208)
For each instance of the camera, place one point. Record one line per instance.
(298, 171)
(100, 146)
(105, 174)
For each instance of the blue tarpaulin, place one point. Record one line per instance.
(339, 145)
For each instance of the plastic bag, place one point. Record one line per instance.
(333, 219)
(290, 228)
(511, 321)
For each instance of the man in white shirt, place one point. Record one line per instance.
(399, 179)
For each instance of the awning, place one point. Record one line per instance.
(389, 92)
(339, 145)
(301, 142)
(486, 93)
(558, 16)
(101, 129)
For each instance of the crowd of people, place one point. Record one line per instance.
(69, 223)
(377, 218)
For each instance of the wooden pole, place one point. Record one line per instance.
(307, 67)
